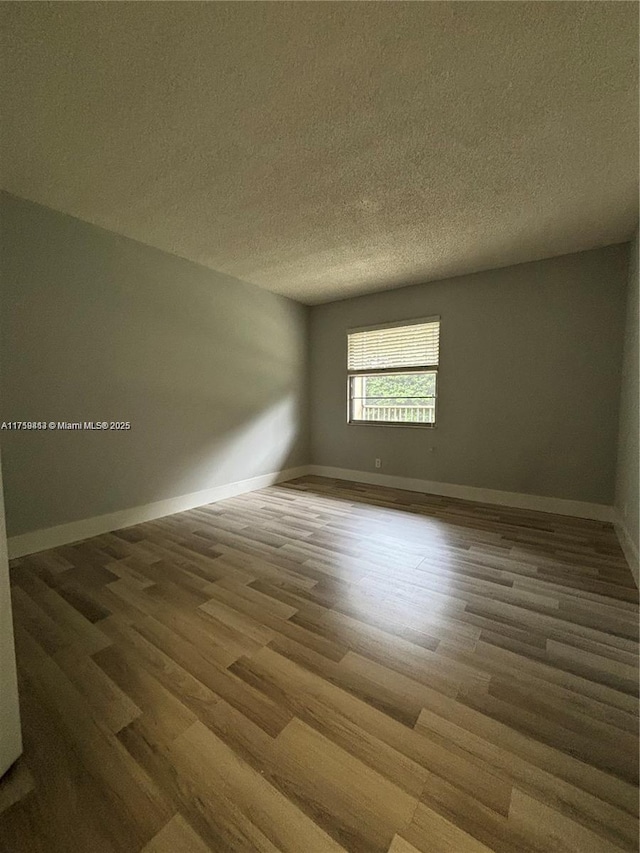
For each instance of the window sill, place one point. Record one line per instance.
(390, 424)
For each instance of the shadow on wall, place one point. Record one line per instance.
(209, 371)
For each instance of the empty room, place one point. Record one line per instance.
(319, 427)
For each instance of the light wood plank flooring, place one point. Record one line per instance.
(325, 666)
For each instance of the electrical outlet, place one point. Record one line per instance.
(378, 463)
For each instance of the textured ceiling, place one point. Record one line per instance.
(322, 150)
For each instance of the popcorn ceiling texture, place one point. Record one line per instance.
(323, 150)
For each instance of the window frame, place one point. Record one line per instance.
(393, 371)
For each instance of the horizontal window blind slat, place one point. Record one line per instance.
(399, 346)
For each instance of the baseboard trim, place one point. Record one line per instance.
(75, 531)
(629, 547)
(539, 503)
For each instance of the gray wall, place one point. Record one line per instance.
(210, 371)
(528, 387)
(628, 465)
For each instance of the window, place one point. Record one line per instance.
(392, 373)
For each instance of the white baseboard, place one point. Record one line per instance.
(629, 548)
(75, 531)
(559, 506)
(51, 537)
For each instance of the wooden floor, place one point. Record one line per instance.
(324, 666)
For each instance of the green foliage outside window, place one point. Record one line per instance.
(400, 389)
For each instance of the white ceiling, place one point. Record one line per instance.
(322, 150)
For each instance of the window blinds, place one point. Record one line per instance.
(416, 345)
